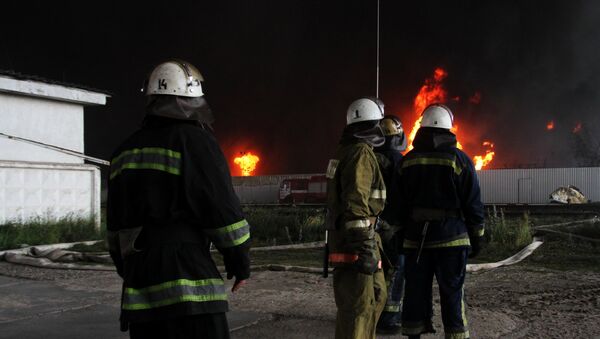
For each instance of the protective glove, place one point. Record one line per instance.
(367, 263)
(385, 230)
(237, 264)
(476, 243)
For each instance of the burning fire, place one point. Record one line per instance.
(550, 125)
(247, 163)
(433, 91)
(577, 128)
(482, 160)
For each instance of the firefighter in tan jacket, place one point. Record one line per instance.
(355, 197)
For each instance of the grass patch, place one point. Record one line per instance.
(285, 225)
(40, 231)
(509, 233)
(97, 247)
(566, 255)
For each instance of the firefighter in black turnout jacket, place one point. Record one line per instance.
(442, 215)
(170, 196)
(389, 156)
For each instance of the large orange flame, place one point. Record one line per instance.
(247, 163)
(433, 91)
(482, 160)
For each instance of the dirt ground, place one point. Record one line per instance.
(514, 302)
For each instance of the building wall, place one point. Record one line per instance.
(502, 186)
(48, 191)
(48, 121)
(534, 185)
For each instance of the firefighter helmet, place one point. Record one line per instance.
(391, 125)
(437, 115)
(174, 77)
(364, 109)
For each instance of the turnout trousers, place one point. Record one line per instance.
(449, 267)
(392, 314)
(360, 299)
(200, 326)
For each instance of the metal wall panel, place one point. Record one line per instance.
(501, 186)
(534, 185)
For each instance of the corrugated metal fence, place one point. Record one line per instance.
(534, 185)
(501, 186)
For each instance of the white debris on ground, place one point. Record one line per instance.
(568, 195)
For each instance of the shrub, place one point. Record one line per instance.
(285, 225)
(40, 231)
(508, 233)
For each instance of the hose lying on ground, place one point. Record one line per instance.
(57, 256)
(522, 254)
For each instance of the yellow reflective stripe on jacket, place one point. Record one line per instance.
(360, 223)
(378, 194)
(392, 308)
(230, 235)
(148, 158)
(481, 232)
(173, 292)
(433, 161)
(451, 243)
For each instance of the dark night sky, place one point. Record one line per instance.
(280, 74)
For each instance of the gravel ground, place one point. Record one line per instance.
(513, 302)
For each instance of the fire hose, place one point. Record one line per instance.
(34, 256)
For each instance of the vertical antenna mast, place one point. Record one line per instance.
(377, 72)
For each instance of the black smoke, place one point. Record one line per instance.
(280, 74)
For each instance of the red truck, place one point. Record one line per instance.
(303, 191)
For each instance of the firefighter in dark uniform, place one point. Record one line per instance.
(389, 156)
(442, 214)
(169, 198)
(355, 197)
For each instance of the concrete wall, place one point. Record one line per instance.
(52, 122)
(34, 190)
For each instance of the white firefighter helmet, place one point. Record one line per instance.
(364, 109)
(437, 115)
(174, 77)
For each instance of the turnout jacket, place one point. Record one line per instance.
(389, 162)
(438, 184)
(355, 197)
(170, 196)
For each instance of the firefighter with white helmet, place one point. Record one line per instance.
(355, 197)
(442, 216)
(170, 197)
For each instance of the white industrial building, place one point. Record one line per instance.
(42, 182)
